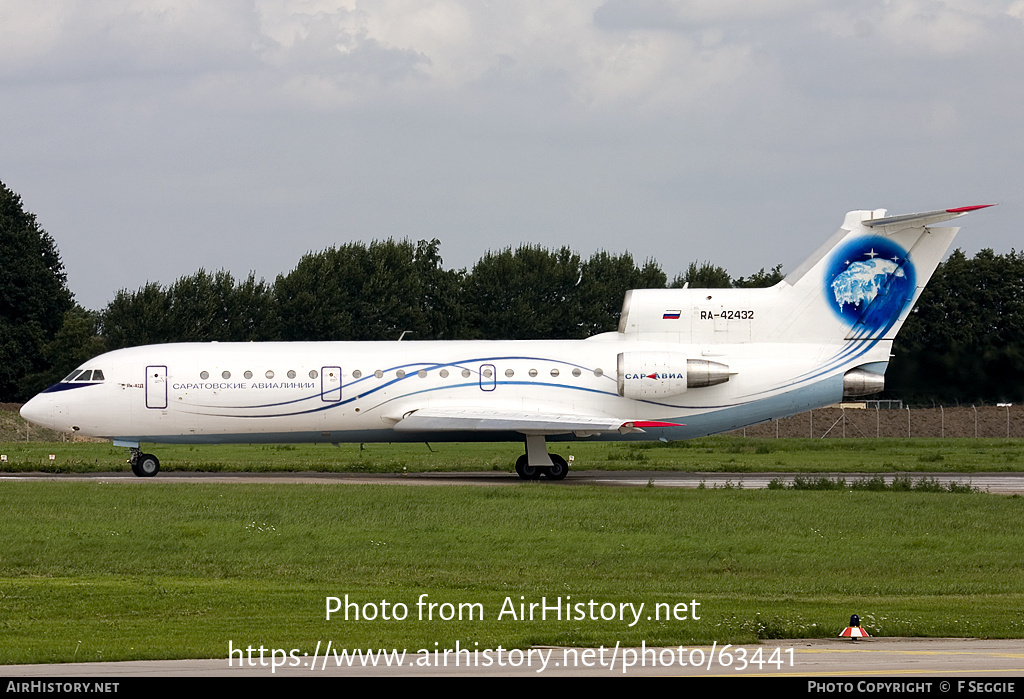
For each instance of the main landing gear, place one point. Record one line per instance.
(537, 462)
(143, 465)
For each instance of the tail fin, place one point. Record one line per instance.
(870, 274)
(859, 285)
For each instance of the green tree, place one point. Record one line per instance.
(703, 276)
(603, 285)
(760, 279)
(964, 341)
(440, 298)
(33, 296)
(200, 307)
(76, 341)
(205, 307)
(523, 294)
(375, 292)
(138, 317)
(252, 311)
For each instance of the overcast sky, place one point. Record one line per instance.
(152, 138)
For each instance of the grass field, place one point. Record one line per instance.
(710, 454)
(105, 571)
(92, 571)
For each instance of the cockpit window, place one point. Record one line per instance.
(79, 376)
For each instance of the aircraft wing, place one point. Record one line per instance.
(471, 419)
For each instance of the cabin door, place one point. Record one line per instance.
(156, 387)
(330, 384)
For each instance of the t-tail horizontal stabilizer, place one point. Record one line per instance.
(893, 223)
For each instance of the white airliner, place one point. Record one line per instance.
(684, 363)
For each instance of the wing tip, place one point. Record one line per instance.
(965, 209)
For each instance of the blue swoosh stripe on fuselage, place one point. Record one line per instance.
(428, 365)
(800, 400)
(337, 404)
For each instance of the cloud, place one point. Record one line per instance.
(576, 121)
(684, 15)
(344, 54)
(941, 28)
(61, 41)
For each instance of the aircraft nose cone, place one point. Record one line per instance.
(39, 411)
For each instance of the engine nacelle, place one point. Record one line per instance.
(861, 382)
(645, 375)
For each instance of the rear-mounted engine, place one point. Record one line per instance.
(643, 375)
(861, 382)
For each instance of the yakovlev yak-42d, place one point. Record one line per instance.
(684, 363)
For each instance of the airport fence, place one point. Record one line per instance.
(870, 419)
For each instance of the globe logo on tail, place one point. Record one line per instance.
(869, 283)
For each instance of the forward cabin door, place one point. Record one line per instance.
(156, 387)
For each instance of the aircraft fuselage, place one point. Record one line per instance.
(360, 391)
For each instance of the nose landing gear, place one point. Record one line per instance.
(143, 465)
